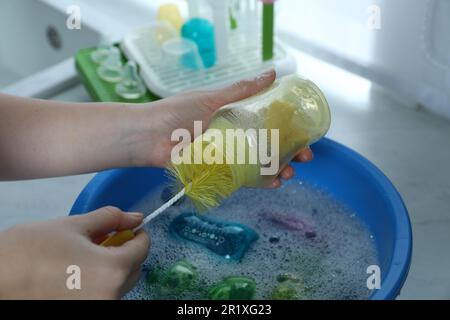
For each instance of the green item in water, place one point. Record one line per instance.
(289, 288)
(178, 279)
(154, 275)
(233, 288)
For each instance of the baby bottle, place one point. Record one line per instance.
(294, 106)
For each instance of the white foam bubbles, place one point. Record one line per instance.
(331, 265)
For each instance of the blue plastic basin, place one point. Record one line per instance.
(343, 173)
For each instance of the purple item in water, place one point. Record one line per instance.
(291, 222)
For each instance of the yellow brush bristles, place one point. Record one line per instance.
(205, 184)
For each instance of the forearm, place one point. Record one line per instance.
(45, 138)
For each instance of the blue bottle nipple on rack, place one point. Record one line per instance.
(201, 31)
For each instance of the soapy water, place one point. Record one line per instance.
(304, 235)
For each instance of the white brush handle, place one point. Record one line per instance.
(160, 210)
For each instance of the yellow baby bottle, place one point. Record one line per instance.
(274, 124)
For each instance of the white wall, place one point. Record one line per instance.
(410, 54)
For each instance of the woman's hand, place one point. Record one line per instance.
(181, 111)
(34, 258)
(40, 138)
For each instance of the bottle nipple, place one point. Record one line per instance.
(131, 86)
(102, 52)
(111, 68)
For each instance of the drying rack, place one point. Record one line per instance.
(244, 61)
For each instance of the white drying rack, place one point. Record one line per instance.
(244, 61)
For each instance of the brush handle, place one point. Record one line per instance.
(119, 238)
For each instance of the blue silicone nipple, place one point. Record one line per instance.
(201, 31)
